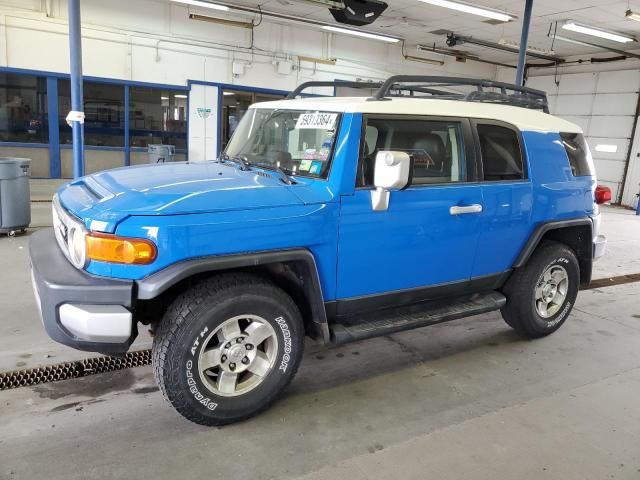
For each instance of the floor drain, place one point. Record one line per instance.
(612, 281)
(67, 370)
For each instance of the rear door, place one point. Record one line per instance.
(424, 244)
(505, 223)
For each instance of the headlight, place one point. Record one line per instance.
(77, 247)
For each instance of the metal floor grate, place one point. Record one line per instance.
(67, 370)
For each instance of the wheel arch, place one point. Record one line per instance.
(576, 233)
(293, 270)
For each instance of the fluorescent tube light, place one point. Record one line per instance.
(631, 15)
(323, 61)
(358, 33)
(596, 32)
(164, 98)
(571, 40)
(179, 96)
(473, 9)
(199, 3)
(530, 48)
(228, 93)
(220, 21)
(601, 147)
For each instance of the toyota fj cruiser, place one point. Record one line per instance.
(337, 219)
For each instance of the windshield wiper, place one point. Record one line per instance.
(240, 160)
(283, 175)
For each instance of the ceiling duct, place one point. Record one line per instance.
(359, 12)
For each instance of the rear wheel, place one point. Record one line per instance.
(541, 295)
(227, 347)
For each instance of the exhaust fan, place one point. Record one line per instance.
(358, 12)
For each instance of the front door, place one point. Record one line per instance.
(424, 245)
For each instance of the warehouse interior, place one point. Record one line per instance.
(462, 399)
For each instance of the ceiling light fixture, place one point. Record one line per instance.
(473, 9)
(571, 40)
(461, 56)
(221, 21)
(624, 53)
(596, 32)
(358, 33)
(323, 61)
(516, 46)
(179, 96)
(199, 3)
(454, 39)
(605, 148)
(631, 15)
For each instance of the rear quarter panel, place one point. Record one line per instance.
(557, 194)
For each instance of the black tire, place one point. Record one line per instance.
(520, 311)
(182, 334)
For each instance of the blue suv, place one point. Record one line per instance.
(338, 219)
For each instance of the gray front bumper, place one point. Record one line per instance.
(78, 309)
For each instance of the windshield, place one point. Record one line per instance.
(297, 141)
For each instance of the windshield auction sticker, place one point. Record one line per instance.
(317, 120)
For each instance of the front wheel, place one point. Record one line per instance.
(541, 295)
(227, 347)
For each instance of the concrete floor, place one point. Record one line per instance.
(467, 399)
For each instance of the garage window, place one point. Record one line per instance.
(23, 109)
(501, 154)
(157, 116)
(578, 153)
(104, 114)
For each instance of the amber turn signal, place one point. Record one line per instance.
(111, 248)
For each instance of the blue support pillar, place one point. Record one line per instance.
(524, 41)
(55, 170)
(75, 52)
(127, 143)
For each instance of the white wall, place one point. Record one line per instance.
(603, 102)
(155, 41)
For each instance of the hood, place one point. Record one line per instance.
(171, 189)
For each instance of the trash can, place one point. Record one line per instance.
(15, 197)
(161, 153)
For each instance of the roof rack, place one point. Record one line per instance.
(370, 85)
(507, 94)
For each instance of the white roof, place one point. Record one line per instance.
(523, 118)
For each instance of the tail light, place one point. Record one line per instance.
(603, 194)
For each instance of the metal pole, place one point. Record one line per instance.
(75, 52)
(524, 40)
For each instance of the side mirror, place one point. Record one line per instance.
(391, 173)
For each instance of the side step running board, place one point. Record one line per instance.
(388, 321)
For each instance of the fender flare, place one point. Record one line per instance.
(542, 229)
(157, 283)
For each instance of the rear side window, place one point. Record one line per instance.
(501, 154)
(578, 153)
